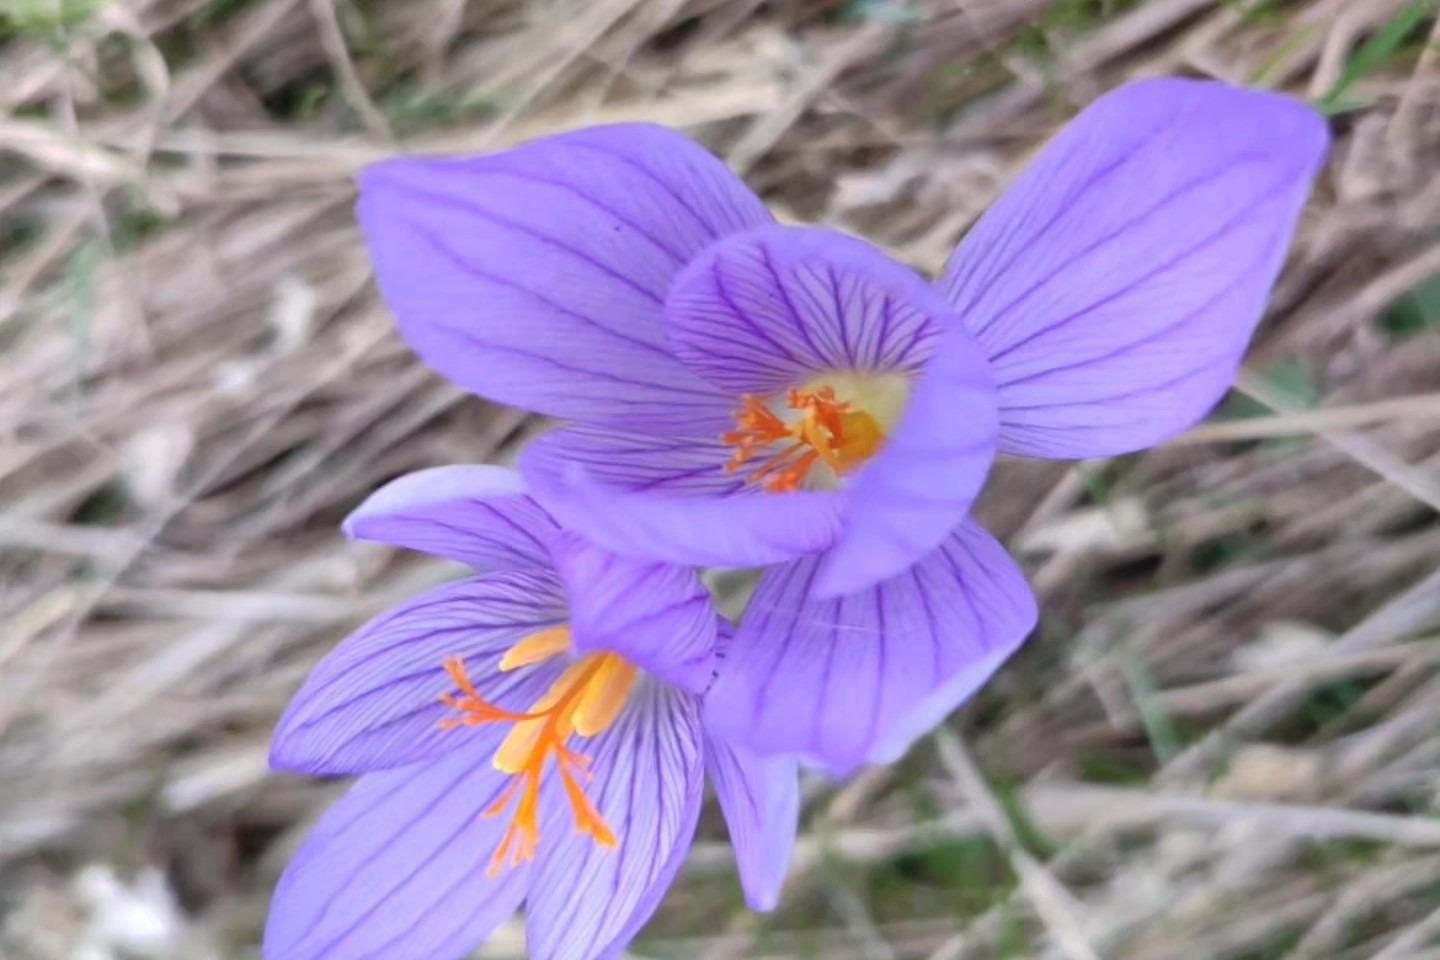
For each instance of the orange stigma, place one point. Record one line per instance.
(584, 701)
(782, 452)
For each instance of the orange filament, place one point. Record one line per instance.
(826, 431)
(584, 701)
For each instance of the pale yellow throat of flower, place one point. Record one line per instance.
(816, 434)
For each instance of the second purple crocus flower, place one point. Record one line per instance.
(531, 734)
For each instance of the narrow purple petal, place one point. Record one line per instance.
(681, 465)
(477, 515)
(587, 901)
(373, 703)
(643, 501)
(536, 277)
(857, 679)
(1116, 285)
(657, 616)
(766, 310)
(760, 797)
(921, 484)
(396, 870)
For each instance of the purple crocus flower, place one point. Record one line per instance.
(532, 734)
(742, 394)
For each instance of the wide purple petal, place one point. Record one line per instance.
(1117, 283)
(477, 515)
(658, 616)
(921, 484)
(587, 901)
(766, 310)
(397, 869)
(536, 277)
(857, 679)
(760, 797)
(373, 703)
(664, 500)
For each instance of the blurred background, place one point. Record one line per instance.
(1222, 741)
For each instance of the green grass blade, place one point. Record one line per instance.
(1374, 53)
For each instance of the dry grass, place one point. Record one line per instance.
(1220, 744)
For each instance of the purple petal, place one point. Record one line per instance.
(682, 465)
(760, 797)
(396, 870)
(920, 486)
(587, 901)
(657, 616)
(477, 515)
(645, 498)
(536, 277)
(766, 310)
(373, 703)
(857, 679)
(1117, 283)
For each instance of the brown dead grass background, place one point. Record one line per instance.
(1222, 742)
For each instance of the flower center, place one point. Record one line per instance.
(824, 430)
(584, 701)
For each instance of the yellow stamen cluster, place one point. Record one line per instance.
(780, 454)
(583, 701)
